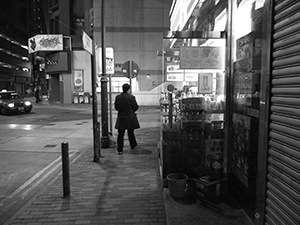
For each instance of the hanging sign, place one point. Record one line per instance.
(45, 42)
(87, 43)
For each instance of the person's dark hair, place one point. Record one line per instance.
(125, 87)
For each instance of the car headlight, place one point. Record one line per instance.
(11, 105)
(27, 103)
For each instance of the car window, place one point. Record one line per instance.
(8, 96)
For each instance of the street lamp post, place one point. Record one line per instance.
(105, 142)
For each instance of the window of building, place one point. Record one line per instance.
(54, 26)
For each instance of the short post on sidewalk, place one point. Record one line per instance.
(65, 168)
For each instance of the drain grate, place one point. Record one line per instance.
(50, 146)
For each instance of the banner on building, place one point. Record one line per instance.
(45, 42)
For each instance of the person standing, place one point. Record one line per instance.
(126, 105)
(37, 94)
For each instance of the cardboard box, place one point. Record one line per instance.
(210, 190)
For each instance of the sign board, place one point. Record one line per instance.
(87, 43)
(174, 77)
(110, 61)
(78, 80)
(191, 77)
(58, 62)
(130, 69)
(201, 58)
(205, 83)
(45, 42)
(174, 73)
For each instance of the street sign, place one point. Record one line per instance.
(130, 69)
(110, 62)
(87, 43)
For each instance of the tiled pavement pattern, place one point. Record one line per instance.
(118, 190)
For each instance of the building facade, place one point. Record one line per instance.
(134, 31)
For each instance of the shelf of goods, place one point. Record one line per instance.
(192, 143)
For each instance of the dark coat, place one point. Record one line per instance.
(126, 106)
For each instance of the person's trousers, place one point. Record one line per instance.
(131, 137)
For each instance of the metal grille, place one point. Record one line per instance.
(283, 184)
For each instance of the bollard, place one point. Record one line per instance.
(65, 168)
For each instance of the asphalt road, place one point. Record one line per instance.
(30, 148)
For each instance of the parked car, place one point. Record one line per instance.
(12, 102)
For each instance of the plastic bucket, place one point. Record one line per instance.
(177, 184)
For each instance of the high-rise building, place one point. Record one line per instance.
(18, 21)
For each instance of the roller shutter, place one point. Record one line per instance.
(283, 174)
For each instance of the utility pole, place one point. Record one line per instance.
(105, 142)
(96, 124)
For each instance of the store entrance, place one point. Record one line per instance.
(54, 88)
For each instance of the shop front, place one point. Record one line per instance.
(231, 109)
(193, 109)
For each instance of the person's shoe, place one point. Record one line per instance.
(120, 153)
(133, 146)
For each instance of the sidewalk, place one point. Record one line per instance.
(119, 190)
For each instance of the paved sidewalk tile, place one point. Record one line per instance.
(120, 189)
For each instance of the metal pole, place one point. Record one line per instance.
(130, 76)
(171, 109)
(96, 129)
(65, 168)
(104, 100)
(110, 106)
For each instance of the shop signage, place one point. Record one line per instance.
(110, 62)
(58, 62)
(43, 42)
(201, 58)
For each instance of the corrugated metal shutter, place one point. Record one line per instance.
(283, 179)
